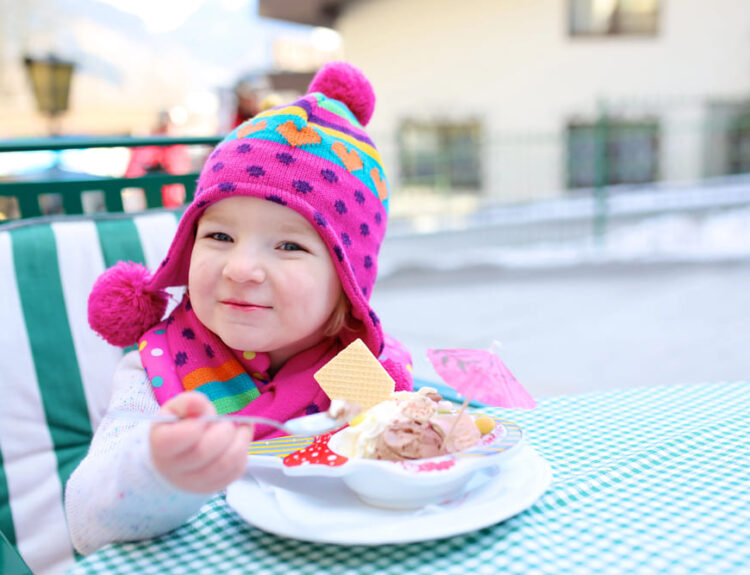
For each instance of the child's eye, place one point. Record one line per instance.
(290, 247)
(220, 237)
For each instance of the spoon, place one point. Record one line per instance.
(314, 424)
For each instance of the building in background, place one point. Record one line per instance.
(506, 101)
(482, 102)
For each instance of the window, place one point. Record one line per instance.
(612, 153)
(727, 138)
(738, 144)
(613, 17)
(440, 155)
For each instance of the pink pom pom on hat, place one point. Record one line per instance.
(122, 307)
(313, 156)
(348, 85)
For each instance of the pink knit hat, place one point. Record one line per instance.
(312, 156)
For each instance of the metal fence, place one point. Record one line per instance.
(584, 182)
(54, 190)
(619, 165)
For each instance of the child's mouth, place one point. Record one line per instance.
(244, 305)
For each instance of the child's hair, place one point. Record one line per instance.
(312, 156)
(341, 319)
(337, 320)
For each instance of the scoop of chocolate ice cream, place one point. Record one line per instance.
(408, 440)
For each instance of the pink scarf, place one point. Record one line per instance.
(181, 354)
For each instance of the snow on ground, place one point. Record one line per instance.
(666, 238)
(664, 299)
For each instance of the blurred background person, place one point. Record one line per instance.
(253, 95)
(162, 159)
(249, 92)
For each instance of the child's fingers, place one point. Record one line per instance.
(248, 433)
(234, 460)
(189, 404)
(194, 454)
(220, 472)
(214, 441)
(171, 439)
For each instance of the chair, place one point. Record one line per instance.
(55, 372)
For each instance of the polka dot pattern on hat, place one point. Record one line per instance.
(313, 156)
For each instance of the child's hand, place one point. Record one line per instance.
(198, 456)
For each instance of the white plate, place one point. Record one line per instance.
(324, 510)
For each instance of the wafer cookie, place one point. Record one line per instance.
(357, 376)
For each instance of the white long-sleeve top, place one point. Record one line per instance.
(116, 494)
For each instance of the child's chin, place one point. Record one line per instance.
(242, 342)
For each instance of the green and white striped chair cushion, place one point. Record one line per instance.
(55, 372)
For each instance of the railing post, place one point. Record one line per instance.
(112, 196)
(153, 195)
(601, 172)
(28, 205)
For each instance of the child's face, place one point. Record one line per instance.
(261, 277)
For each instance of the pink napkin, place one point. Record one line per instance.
(481, 375)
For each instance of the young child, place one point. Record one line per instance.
(279, 255)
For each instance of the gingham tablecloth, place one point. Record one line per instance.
(646, 480)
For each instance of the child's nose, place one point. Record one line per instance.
(245, 267)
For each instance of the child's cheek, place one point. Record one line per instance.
(200, 263)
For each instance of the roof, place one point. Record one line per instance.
(312, 12)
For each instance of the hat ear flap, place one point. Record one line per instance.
(122, 307)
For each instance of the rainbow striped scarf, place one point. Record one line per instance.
(181, 354)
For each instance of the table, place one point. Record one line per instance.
(646, 480)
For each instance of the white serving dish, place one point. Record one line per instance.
(389, 484)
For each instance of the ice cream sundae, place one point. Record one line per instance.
(410, 425)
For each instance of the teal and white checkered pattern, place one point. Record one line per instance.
(647, 480)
